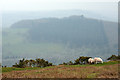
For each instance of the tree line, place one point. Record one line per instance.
(32, 63)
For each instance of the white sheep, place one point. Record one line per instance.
(91, 60)
(98, 60)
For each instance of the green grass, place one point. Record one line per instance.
(9, 69)
(105, 63)
(77, 65)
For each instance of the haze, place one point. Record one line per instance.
(102, 7)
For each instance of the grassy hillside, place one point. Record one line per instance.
(59, 40)
(105, 70)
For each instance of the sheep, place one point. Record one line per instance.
(91, 60)
(98, 60)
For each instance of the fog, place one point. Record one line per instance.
(58, 31)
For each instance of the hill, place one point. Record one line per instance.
(59, 39)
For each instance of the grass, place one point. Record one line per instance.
(9, 69)
(105, 63)
(92, 75)
(105, 70)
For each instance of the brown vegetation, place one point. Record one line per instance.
(62, 71)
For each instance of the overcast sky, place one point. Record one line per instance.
(35, 5)
(103, 7)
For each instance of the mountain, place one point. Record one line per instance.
(76, 30)
(9, 18)
(60, 39)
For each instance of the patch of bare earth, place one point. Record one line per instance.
(108, 71)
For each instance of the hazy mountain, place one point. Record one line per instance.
(60, 39)
(76, 30)
(8, 18)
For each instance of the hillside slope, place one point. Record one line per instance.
(59, 39)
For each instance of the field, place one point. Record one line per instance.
(105, 70)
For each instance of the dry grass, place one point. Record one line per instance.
(61, 71)
(109, 72)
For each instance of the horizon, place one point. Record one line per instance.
(106, 9)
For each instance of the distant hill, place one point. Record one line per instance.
(60, 39)
(9, 18)
(76, 30)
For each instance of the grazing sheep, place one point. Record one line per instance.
(98, 60)
(91, 60)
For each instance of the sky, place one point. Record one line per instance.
(104, 7)
(35, 5)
